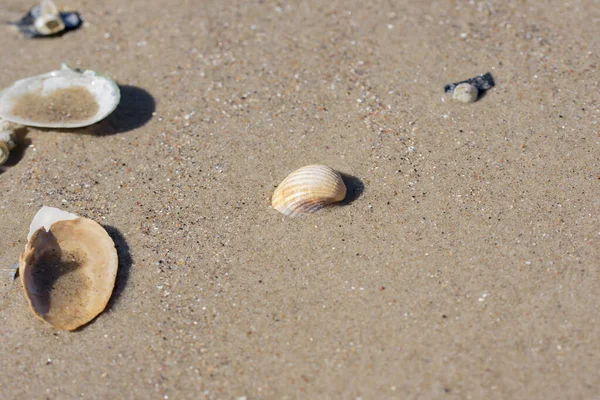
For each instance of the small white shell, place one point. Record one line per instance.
(465, 93)
(308, 189)
(49, 22)
(101, 92)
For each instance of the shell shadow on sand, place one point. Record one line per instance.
(354, 188)
(125, 262)
(134, 110)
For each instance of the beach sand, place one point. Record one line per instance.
(465, 263)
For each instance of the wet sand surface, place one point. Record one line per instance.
(465, 266)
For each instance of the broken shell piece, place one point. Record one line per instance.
(46, 216)
(68, 268)
(482, 82)
(465, 93)
(4, 152)
(46, 20)
(49, 21)
(7, 141)
(308, 189)
(66, 98)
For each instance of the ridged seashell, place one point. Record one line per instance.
(308, 189)
(68, 268)
(66, 98)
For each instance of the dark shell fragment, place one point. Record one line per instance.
(71, 20)
(482, 82)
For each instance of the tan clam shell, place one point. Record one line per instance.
(69, 271)
(308, 189)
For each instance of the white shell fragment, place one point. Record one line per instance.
(308, 189)
(46, 216)
(68, 269)
(465, 93)
(49, 21)
(66, 98)
(45, 19)
(7, 141)
(4, 152)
